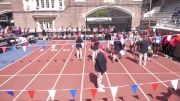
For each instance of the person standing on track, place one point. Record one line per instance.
(94, 46)
(44, 35)
(143, 50)
(117, 48)
(79, 42)
(156, 45)
(100, 68)
(132, 43)
(136, 41)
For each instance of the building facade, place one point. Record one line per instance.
(52, 14)
(5, 13)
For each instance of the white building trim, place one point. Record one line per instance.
(102, 7)
(5, 11)
(31, 5)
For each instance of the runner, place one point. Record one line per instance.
(143, 50)
(117, 48)
(156, 45)
(79, 46)
(136, 41)
(132, 42)
(94, 46)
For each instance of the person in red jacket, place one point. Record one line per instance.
(172, 44)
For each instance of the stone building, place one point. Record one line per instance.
(5, 12)
(51, 14)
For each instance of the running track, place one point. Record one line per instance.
(61, 71)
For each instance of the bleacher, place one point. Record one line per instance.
(168, 15)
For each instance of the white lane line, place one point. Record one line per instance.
(41, 50)
(135, 82)
(37, 75)
(17, 60)
(66, 50)
(20, 58)
(171, 60)
(82, 79)
(88, 74)
(60, 74)
(23, 68)
(141, 84)
(114, 99)
(165, 68)
(153, 75)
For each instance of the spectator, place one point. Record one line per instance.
(172, 44)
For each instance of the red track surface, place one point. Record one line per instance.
(61, 71)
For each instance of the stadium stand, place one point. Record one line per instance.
(166, 14)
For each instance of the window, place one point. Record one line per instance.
(50, 25)
(42, 3)
(28, 7)
(47, 3)
(60, 3)
(37, 3)
(52, 2)
(46, 24)
(41, 24)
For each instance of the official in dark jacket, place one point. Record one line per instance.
(100, 67)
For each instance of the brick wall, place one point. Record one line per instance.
(73, 14)
(5, 7)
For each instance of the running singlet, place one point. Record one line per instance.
(158, 39)
(136, 38)
(169, 38)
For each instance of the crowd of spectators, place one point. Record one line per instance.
(176, 15)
